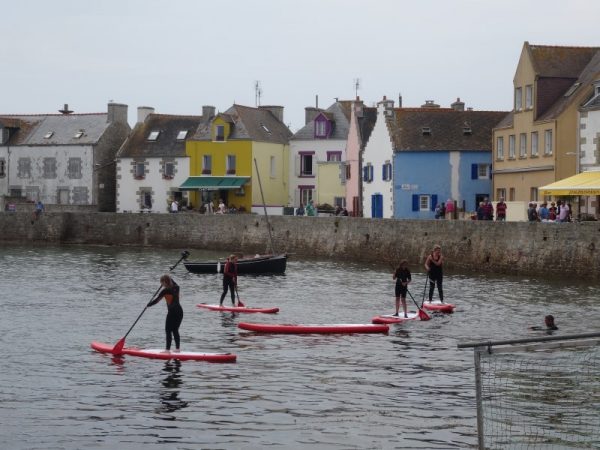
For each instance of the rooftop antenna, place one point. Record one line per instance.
(257, 93)
(356, 86)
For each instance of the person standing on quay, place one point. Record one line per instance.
(433, 265)
(501, 210)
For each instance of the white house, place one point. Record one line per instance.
(62, 159)
(152, 163)
(378, 154)
(589, 145)
(322, 140)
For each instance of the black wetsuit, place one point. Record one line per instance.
(435, 277)
(229, 280)
(174, 313)
(402, 276)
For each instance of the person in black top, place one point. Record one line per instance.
(170, 293)
(402, 277)
(550, 325)
(229, 279)
(433, 265)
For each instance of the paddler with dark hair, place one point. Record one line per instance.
(229, 279)
(170, 292)
(402, 277)
(433, 265)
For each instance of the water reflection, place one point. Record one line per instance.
(169, 394)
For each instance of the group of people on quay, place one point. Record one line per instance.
(556, 212)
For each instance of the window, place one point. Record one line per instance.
(182, 135)
(306, 194)
(306, 164)
(511, 195)
(2, 168)
(533, 193)
(139, 171)
(548, 142)
(168, 170)
(339, 201)
(426, 131)
(265, 129)
(320, 128)
(80, 195)
(483, 171)
(230, 164)
(467, 131)
(348, 170)
(24, 168)
(511, 146)
(518, 99)
(522, 145)
(74, 168)
(48, 135)
(220, 133)
(272, 167)
(534, 143)
(572, 89)
(387, 171)
(368, 173)
(206, 165)
(529, 96)
(334, 156)
(49, 167)
(153, 136)
(424, 203)
(500, 147)
(500, 193)
(146, 200)
(78, 134)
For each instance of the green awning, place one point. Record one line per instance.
(213, 183)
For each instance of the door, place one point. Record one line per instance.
(377, 206)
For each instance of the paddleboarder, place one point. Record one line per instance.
(549, 322)
(229, 279)
(170, 292)
(402, 277)
(433, 265)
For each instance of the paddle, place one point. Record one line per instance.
(424, 290)
(118, 348)
(238, 297)
(422, 314)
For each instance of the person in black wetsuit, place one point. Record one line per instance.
(550, 325)
(170, 292)
(433, 265)
(229, 279)
(402, 277)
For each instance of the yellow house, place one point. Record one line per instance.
(536, 144)
(222, 156)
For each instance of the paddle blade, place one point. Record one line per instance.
(118, 348)
(240, 303)
(423, 315)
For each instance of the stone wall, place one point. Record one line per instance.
(545, 249)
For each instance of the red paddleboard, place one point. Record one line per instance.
(239, 309)
(390, 318)
(155, 353)
(439, 306)
(313, 329)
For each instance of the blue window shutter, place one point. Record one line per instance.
(433, 202)
(490, 171)
(474, 171)
(383, 172)
(365, 178)
(415, 202)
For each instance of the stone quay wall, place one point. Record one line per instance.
(518, 248)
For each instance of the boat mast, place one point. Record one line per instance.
(264, 206)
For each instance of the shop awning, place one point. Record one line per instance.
(213, 183)
(586, 183)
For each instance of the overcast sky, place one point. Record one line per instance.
(177, 55)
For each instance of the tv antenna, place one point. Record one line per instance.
(356, 86)
(257, 93)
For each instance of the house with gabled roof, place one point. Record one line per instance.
(536, 144)
(318, 156)
(152, 163)
(229, 153)
(66, 160)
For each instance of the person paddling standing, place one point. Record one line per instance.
(402, 277)
(170, 292)
(433, 265)
(229, 279)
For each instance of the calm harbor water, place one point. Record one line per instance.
(410, 389)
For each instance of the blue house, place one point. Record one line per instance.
(441, 154)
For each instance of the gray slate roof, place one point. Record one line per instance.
(339, 113)
(167, 144)
(64, 127)
(247, 124)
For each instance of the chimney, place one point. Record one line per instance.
(388, 106)
(310, 112)
(208, 112)
(458, 105)
(277, 111)
(117, 113)
(65, 110)
(143, 112)
(399, 100)
(358, 107)
(430, 104)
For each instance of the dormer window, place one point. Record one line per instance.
(220, 133)
(78, 134)
(153, 136)
(321, 128)
(181, 135)
(48, 135)
(426, 131)
(467, 131)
